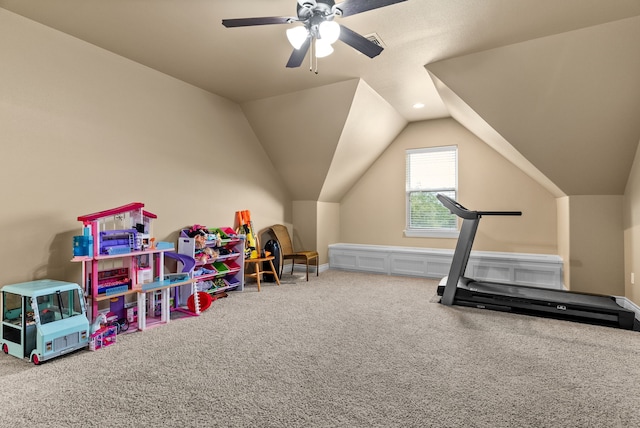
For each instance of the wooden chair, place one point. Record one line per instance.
(256, 265)
(288, 253)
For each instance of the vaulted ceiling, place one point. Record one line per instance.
(553, 85)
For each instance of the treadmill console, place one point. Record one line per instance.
(464, 213)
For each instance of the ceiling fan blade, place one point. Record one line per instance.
(351, 7)
(359, 42)
(296, 58)
(267, 20)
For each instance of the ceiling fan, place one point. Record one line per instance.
(319, 29)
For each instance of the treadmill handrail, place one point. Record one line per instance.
(464, 213)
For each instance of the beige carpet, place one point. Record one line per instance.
(342, 350)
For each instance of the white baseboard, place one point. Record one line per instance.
(538, 270)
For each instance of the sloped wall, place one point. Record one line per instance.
(373, 211)
(83, 130)
(596, 244)
(546, 96)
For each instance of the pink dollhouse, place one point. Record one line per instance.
(123, 267)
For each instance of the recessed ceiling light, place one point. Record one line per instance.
(418, 105)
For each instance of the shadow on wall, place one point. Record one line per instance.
(59, 265)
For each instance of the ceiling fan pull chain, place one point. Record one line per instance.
(313, 60)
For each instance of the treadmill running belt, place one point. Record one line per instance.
(545, 294)
(542, 301)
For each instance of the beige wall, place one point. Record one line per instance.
(596, 247)
(631, 226)
(373, 211)
(305, 225)
(564, 237)
(316, 225)
(328, 228)
(83, 130)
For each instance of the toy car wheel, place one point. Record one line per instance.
(35, 359)
(5, 348)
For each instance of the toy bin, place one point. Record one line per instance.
(232, 266)
(232, 282)
(221, 268)
(225, 232)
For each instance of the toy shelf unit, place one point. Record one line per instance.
(123, 266)
(219, 258)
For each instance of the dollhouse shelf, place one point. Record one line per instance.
(119, 256)
(102, 297)
(159, 285)
(120, 260)
(146, 288)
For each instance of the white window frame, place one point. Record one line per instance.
(413, 232)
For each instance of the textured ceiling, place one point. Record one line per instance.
(556, 80)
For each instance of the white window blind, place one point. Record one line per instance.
(430, 171)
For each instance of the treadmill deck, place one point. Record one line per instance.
(542, 301)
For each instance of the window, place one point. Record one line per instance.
(429, 172)
(59, 305)
(12, 308)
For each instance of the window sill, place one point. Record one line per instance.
(431, 233)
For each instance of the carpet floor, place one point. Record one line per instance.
(342, 350)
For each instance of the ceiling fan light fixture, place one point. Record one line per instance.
(297, 36)
(323, 48)
(329, 31)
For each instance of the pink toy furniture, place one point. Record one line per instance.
(124, 260)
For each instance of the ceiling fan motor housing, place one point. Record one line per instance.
(313, 13)
(309, 8)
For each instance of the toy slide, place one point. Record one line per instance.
(244, 225)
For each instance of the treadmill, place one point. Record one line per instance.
(560, 304)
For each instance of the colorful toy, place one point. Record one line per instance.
(101, 320)
(102, 333)
(125, 231)
(245, 225)
(215, 254)
(200, 299)
(43, 319)
(119, 241)
(201, 235)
